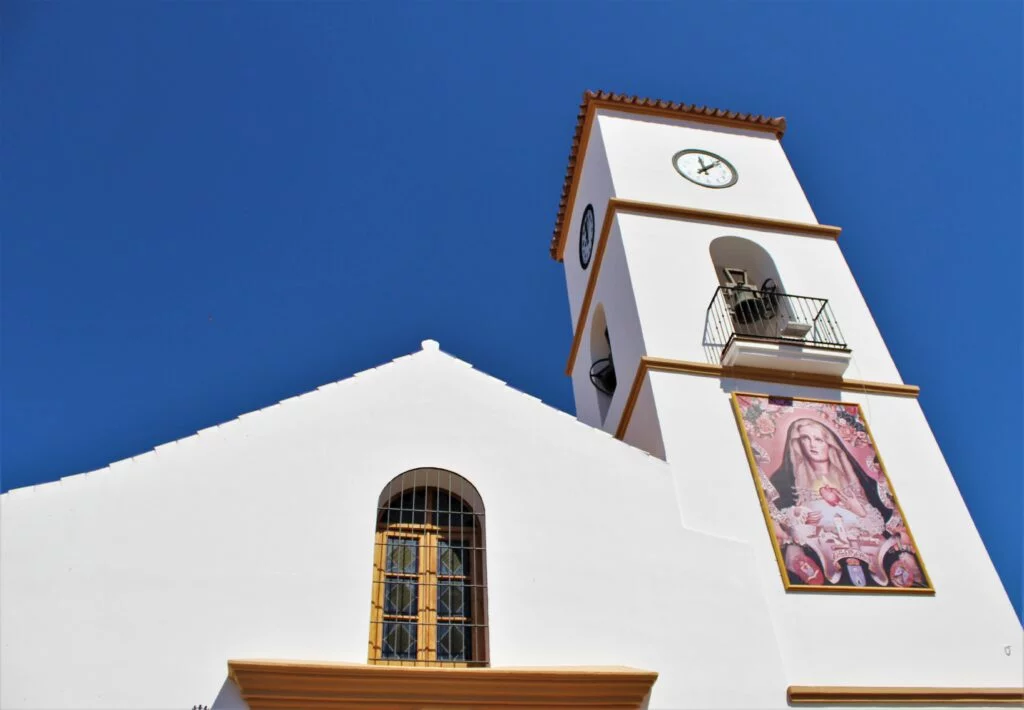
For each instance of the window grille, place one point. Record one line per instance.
(429, 602)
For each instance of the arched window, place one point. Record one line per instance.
(429, 602)
(602, 367)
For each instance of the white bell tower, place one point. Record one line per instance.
(718, 327)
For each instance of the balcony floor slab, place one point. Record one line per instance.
(785, 355)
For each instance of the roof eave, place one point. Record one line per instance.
(595, 100)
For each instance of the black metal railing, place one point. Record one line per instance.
(771, 316)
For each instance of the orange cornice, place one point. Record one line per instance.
(757, 374)
(595, 100)
(616, 205)
(332, 686)
(849, 695)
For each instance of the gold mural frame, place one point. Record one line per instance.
(929, 589)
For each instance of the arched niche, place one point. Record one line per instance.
(750, 302)
(602, 364)
(734, 255)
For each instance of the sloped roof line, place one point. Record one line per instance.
(355, 377)
(214, 428)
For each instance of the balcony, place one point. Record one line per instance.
(773, 330)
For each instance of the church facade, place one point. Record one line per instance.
(748, 511)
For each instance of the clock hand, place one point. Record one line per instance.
(708, 167)
(701, 161)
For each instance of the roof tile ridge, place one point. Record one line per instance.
(682, 109)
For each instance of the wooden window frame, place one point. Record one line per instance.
(428, 578)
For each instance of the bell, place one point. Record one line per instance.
(602, 375)
(747, 306)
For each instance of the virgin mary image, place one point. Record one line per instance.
(835, 524)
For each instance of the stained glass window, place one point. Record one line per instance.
(402, 553)
(400, 598)
(451, 598)
(453, 642)
(452, 559)
(429, 596)
(400, 640)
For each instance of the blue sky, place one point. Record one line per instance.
(209, 207)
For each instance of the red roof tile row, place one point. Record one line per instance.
(622, 102)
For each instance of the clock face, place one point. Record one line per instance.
(587, 236)
(704, 168)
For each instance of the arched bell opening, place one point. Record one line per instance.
(752, 306)
(751, 291)
(602, 367)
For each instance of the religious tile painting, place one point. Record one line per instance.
(834, 520)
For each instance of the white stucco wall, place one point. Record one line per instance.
(657, 279)
(613, 292)
(655, 283)
(131, 587)
(629, 156)
(673, 280)
(644, 431)
(594, 188)
(958, 637)
(640, 149)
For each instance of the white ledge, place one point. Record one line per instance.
(784, 355)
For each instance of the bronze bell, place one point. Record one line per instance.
(747, 306)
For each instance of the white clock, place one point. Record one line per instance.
(587, 236)
(704, 168)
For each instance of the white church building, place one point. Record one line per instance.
(749, 509)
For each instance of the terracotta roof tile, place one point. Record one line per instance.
(622, 102)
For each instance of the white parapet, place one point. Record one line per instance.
(776, 355)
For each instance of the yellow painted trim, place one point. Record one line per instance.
(631, 399)
(377, 596)
(427, 537)
(616, 205)
(268, 684)
(426, 612)
(734, 219)
(588, 295)
(762, 502)
(852, 695)
(895, 497)
(929, 590)
(757, 374)
(581, 156)
(592, 104)
(718, 118)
